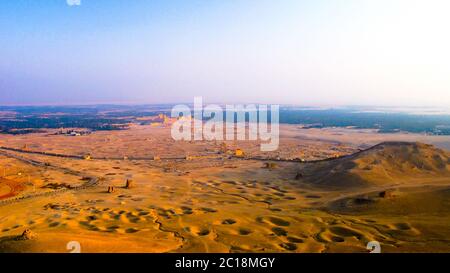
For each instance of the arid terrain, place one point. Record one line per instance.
(324, 190)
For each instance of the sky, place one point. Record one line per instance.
(316, 52)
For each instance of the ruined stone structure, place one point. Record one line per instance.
(129, 184)
(239, 153)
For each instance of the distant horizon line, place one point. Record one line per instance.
(390, 109)
(223, 103)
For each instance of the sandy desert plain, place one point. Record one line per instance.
(195, 197)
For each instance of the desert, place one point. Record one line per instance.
(141, 191)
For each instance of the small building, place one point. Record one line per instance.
(239, 153)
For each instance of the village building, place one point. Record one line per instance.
(239, 153)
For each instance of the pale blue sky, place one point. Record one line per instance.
(321, 52)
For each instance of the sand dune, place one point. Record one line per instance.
(395, 193)
(384, 164)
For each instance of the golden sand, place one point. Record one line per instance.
(396, 194)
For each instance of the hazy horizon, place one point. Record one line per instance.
(309, 53)
(412, 110)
